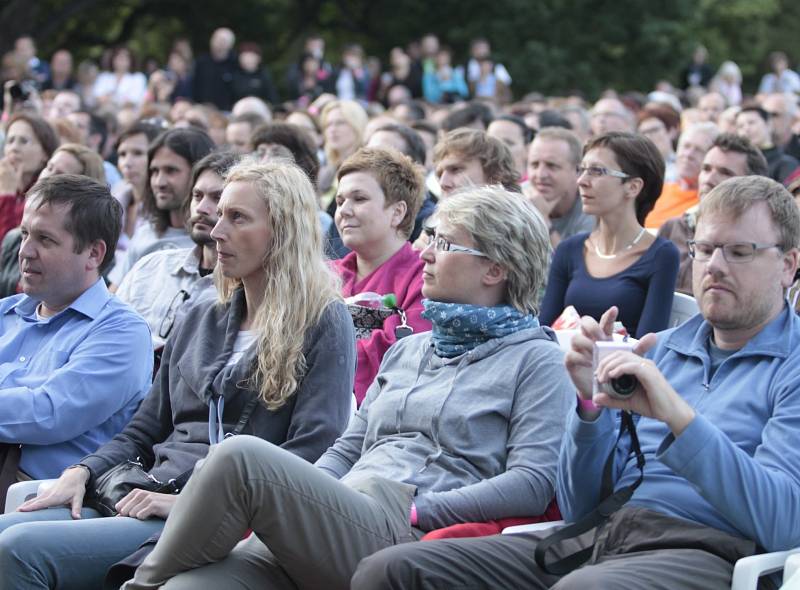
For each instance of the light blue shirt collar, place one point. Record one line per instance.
(88, 303)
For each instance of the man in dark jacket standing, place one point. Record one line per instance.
(214, 71)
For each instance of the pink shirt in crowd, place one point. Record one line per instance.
(401, 275)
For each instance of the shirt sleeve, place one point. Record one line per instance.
(760, 494)
(150, 425)
(660, 291)
(108, 369)
(557, 283)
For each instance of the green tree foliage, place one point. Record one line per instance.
(550, 46)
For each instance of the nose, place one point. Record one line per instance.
(158, 179)
(26, 249)
(217, 232)
(206, 206)
(428, 253)
(716, 262)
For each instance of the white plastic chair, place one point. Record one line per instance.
(791, 573)
(745, 573)
(683, 307)
(21, 491)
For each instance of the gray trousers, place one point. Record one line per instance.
(310, 530)
(635, 549)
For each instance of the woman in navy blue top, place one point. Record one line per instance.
(619, 263)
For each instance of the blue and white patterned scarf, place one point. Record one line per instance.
(460, 327)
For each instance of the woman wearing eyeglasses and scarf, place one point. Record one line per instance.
(273, 357)
(619, 263)
(461, 424)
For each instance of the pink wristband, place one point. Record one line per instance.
(412, 517)
(587, 404)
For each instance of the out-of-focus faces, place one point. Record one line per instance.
(712, 105)
(511, 135)
(237, 136)
(552, 174)
(751, 125)
(609, 114)
(62, 162)
(656, 131)
(132, 159)
(339, 134)
(719, 165)
(170, 175)
(692, 148)
(455, 171)
(22, 148)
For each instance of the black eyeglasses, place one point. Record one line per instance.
(735, 252)
(172, 311)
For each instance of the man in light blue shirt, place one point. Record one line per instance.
(74, 360)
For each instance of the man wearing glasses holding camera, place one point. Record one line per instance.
(708, 474)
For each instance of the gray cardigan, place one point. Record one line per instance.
(478, 435)
(169, 432)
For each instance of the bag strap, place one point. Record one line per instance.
(610, 503)
(176, 484)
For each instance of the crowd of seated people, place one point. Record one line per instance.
(186, 261)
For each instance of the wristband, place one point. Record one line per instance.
(587, 404)
(412, 517)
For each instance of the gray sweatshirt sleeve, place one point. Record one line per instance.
(542, 399)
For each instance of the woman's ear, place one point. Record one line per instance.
(495, 274)
(634, 186)
(398, 213)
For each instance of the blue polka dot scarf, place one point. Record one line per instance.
(459, 327)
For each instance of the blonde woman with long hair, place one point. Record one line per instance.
(273, 357)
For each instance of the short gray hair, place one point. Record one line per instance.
(736, 196)
(510, 231)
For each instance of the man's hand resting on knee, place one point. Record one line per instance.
(68, 490)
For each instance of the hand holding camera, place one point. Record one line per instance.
(640, 387)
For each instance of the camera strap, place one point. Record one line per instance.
(610, 503)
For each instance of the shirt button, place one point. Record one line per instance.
(22, 359)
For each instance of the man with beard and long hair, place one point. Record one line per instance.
(164, 282)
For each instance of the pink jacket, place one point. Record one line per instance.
(401, 275)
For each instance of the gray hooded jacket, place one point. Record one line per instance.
(478, 434)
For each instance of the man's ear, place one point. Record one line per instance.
(495, 274)
(790, 262)
(97, 252)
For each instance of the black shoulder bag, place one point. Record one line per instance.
(119, 481)
(610, 503)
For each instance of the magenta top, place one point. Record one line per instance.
(401, 275)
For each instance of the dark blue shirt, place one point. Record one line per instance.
(642, 292)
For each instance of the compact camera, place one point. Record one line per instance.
(21, 91)
(623, 386)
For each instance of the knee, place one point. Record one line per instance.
(585, 578)
(237, 451)
(387, 569)
(17, 549)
